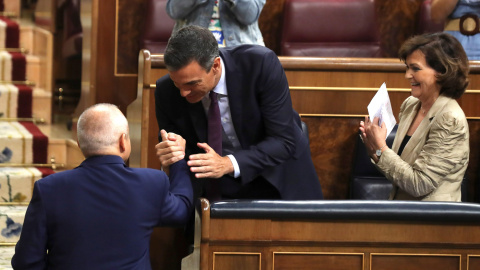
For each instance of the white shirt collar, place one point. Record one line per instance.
(221, 87)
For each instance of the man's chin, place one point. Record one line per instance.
(193, 100)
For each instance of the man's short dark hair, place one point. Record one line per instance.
(444, 54)
(191, 43)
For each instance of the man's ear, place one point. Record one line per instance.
(216, 64)
(122, 142)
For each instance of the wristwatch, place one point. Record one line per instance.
(379, 151)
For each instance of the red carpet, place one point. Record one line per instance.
(24, 108)
(45, 171)
(40, 143)
(13, 33)
(19, 66)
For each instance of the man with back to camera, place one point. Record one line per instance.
(263, 153)
(101, 214)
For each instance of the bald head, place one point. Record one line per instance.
(101, 129)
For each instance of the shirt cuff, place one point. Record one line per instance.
(236, 168)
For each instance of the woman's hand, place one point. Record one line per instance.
(373, 136)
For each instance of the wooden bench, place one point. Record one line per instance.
(342, 234)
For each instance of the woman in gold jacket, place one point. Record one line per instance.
(430, 153)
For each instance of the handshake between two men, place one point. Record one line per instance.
(206, 165)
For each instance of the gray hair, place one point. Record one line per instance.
(99, 128)
(191, 43)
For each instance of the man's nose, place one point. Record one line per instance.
(184, 92)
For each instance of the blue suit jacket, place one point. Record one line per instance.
(100, 215)
(268, 128)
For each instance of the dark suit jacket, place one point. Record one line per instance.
(268, 128)
(100, 215)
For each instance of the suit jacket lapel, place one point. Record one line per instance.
(234, 80)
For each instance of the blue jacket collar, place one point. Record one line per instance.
(106, 159)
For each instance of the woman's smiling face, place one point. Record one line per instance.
(421, 77)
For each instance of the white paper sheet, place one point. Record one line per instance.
(381, 107)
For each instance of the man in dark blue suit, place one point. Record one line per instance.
(264, 153)
(101, 214)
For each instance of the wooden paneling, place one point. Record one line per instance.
(330, 261)
(236, 261)
(270, 24)
(473, 262)
(130, 18)
(415, 262)
(323, 243)
(100, 82)
(332, 144)
(167, 248)
(397, 22)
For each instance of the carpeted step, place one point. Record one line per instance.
(16, 183)
(9, 33)
(22, 143)
(15, 101)
(11, 222)
(6, 254)
(13, 66)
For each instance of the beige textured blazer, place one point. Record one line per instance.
(434, 161)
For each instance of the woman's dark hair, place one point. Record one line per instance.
(444, 54)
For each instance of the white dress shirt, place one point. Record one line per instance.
(226, 116)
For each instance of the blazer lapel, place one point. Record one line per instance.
(422, 130)
(234, 80)
(403, 127)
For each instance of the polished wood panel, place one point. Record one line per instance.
(473, 262)
(236, 261)
(167, 248)
(332, 144)
(100, 82)
(270, 24)
(331, 261)
(130, 16)
(340, 244)
(397, 22)
(415, 262)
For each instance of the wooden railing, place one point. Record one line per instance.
(336, 235)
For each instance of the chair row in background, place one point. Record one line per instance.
(328, 28)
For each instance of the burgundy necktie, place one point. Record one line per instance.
(215, 141)
(214, 124)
